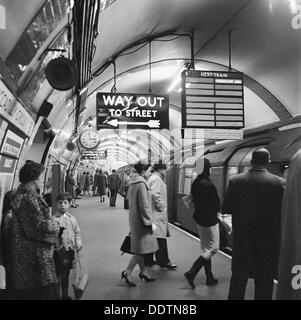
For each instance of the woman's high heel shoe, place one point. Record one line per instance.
(145, 277)
(127, 281)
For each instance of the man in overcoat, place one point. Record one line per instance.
(114, 184)
(254, 200)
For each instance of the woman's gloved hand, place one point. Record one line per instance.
(154, 227)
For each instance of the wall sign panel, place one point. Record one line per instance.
(12, 144)
(143, 111)
(7, 165)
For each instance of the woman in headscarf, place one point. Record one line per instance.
(289, 276)
(34, 232)
(207, 205)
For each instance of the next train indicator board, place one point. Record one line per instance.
(136, 111)
(212, 99)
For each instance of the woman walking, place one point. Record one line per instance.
(207, 205)
(141, 223)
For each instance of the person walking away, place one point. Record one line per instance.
(159, 210)
(102, 185)
(289, 274)
(207, 205)
(126, 184)
(71, 238)
(70, 186)
(141, 223)
(34, 233)
(254, 200)
(114, 184)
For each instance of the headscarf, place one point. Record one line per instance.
(290, 251)
(206, 170)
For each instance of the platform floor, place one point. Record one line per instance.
(103, 229)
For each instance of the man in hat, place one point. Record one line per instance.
(254, 200)
(159, 210)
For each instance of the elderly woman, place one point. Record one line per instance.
(142, 225)
(34, 233)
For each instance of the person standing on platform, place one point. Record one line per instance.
(114, 184)
(34, 233)
(159, 210)
(126, 184)
(207, 205)
(70, 186)
(141, 222)
(82, 182)
(102, 185)
(254, 200)
(87, 183)
(95, 187)
(289, 275)
(71, 238)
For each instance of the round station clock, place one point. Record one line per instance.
(89, 139)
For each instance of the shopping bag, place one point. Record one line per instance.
(188, 201)
(126, 245)
(81, 277)
(2, 278)
(223, 238)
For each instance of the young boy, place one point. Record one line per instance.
(71, 238)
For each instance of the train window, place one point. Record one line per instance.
(190, 175)
(181, 180)
(231, 171)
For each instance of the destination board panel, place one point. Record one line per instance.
(212, 99)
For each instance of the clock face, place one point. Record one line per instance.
(89, 139)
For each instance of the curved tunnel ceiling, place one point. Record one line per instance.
(265, 47)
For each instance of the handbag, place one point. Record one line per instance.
(61, 259)
(81, 277)
(188, 201)
(126, 245)
(60, 255)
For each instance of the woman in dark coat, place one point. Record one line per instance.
(207, 205)
(34, 233)
(142, 225)
(102, 185)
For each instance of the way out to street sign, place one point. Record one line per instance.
(132, 110)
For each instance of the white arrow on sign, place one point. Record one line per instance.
(150, 123)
